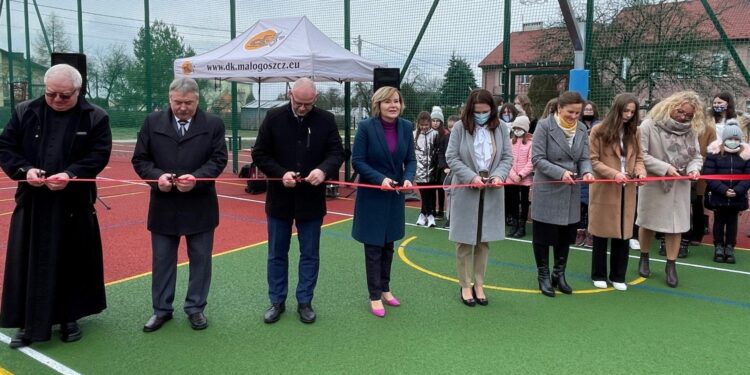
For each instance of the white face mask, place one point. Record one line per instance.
(732, 144)
(519, 132)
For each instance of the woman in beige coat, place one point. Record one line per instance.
(669, 138)
(615, 154)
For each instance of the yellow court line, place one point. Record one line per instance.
(113, 186)
(230, 183)
(7, 199)
(129, 278)
(6, 213)
(402, 255)
(5, 372)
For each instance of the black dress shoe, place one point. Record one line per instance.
(468, 302)
(480, 301)
(155, 322)
(70, 332)
(198, 321)
(306, 313)
(273, 313)
(20, 340)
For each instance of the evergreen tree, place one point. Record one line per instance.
(459, 81)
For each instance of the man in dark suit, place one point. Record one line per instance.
(175, 148)
(300, 144)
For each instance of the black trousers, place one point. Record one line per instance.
(440, 200)
(428, 197)
(698, 220)
(378, 260)
(725, 226)
(517, 200)
(618, 260)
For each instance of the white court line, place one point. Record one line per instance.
(41, 358)
(631, 256)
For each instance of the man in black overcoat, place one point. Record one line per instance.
(53, 269)
(176, 149)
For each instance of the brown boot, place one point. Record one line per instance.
(580, 237)
(643, 268)
(671, 271)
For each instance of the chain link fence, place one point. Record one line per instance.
(650, 48)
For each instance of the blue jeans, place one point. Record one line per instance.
(279, 238)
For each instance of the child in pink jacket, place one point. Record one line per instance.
(519, 176)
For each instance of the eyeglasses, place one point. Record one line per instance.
(61, 95)
(686, 115)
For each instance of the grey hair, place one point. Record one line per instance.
(64, 71)
(304, 82)
(184, 85)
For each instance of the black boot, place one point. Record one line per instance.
(729, 254)
(521, 231)
(512, 231)
(719, 253)
(558, 272)
(671, 272)
(541, 255)
(684, 243)
(643, 268)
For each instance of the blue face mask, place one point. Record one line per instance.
(481, 118)
(507, 118)
(720, 108)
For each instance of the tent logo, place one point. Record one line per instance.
(262, 39)
(187, 67)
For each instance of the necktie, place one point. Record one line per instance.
(182, 129)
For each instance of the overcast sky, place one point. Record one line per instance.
(470, 28)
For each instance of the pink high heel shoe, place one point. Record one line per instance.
(378, 312)
(392, 302)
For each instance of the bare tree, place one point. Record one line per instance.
(107, 78)
(59, 41)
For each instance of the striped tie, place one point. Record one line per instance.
(182, 129)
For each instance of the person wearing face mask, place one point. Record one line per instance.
(517, 194)
(508, 113)
(615, 155)
(590, 115)
(478, 154)
(669, 138)
(560, 154)
(442, 143)
(727, 197)
(724, 112)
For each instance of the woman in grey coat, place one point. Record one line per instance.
(669, 139)
(560, 154)
(479, 154)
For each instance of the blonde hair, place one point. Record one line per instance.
(661, 111)
(381, 95)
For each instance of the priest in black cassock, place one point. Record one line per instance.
(53, 268)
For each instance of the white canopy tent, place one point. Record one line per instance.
(278, 50)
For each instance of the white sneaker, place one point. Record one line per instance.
(634, 244)
(600, 284)
(430, 221)
(421, 220)
(620, 286)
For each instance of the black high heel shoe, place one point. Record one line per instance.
(481, 301)
(468, 302)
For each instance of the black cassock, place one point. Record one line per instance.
(53, 269)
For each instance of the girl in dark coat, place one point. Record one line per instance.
(727, 197)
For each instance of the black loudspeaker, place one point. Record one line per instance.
(76, 60)
(386, 77)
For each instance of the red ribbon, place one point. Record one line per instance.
(730, 177)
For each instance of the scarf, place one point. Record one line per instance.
(569, 128)
(678, 142)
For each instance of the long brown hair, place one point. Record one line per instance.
(479, 96)
(613, 123)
